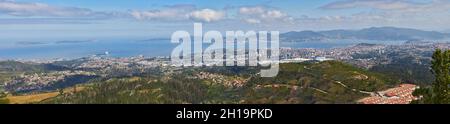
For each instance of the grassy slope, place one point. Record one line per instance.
(38, 97)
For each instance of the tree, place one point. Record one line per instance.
(438, 93)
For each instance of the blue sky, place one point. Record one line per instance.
(24, 20)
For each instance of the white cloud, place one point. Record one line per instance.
(378, 4)
(207, 15)
(258, 14)
(391, 5)
(273, 14)
(14, 8)
(367, 13)
(170, 14)
(251, 10)
(180, 13)
(252, 21)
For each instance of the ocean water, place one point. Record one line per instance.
(124, 48)
(84, 49)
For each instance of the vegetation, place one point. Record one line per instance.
(296, 83)
(3, 100)
(31, 98)
(144, 90)
(407, 71)
(439, 92)
(325, 82)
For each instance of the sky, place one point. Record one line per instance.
(41, 20)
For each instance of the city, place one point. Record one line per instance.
(224, 60)
(79, 71)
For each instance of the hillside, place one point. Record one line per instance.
(316, 83)
(9, 69)
(15, 66)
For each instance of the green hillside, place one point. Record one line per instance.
(325, 82)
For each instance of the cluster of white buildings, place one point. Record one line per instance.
(140, 61)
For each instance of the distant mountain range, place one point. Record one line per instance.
(374, 33)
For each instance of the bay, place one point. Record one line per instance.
(125, 48)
